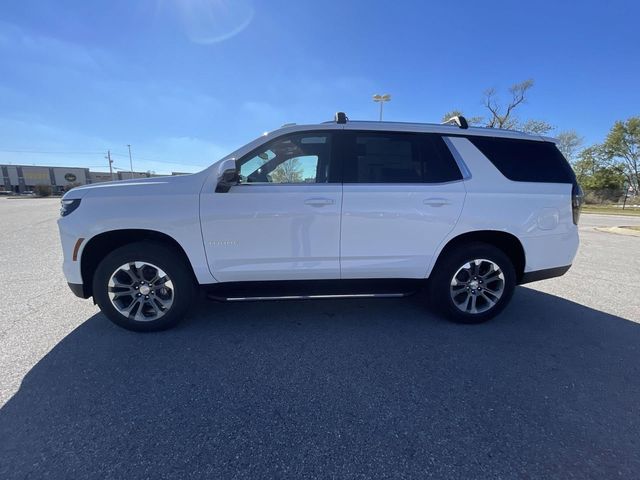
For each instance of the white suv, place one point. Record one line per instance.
(341, 208)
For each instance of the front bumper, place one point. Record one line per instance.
(78, 290)
(69, 236)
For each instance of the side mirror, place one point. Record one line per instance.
(227, 175)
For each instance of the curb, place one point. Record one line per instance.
(619, 231)
(26, 197)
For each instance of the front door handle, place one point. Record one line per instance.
(319, 202)
(436, 202)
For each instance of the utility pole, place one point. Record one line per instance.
(130, 160)
(110, 162)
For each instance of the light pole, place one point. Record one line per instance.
(130, 160)
(381, 99)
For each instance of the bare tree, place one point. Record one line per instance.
(535, 127)
(568, 143)
(502, 116)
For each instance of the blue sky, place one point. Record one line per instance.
(186, 81)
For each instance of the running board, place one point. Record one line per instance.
(311, 289)
(306, 297)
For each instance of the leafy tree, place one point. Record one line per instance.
(601, 181)
(452, 113)
(622, 147)
(609, 178)
(42, 190)
(568, 143)
(606, 185)
(590, 160)
(69, 186)
(456, 113)
(289, 171)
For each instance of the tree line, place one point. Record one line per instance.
(607, 171)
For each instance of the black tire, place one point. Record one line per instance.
(181, 292)
(450, 263)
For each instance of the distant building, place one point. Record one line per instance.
(23, 178)
(97, 177)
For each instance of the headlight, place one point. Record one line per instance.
(68, 206)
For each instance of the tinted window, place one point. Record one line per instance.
(389, 157)
(439, 164)
(385, 159)
(298, 158)
(525, 160)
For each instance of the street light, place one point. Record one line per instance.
(381, 99)
(130, 160)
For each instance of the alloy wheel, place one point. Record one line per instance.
(141, 291)
(477, 286)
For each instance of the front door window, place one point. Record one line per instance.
(293, 159)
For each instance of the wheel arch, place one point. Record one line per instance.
(505, 241)
(102, 244)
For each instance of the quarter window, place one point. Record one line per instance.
(526, 160)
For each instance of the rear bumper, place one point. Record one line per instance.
(78, 290)
(536, 275)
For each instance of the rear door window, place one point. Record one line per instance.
(396, 157)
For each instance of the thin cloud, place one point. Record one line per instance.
(208, 22)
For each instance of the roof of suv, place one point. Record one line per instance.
(419, 127)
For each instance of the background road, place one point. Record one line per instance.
(330, 389)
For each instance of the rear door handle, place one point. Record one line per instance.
(319, 202)
(436, 202)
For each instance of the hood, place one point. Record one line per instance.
(134, 186)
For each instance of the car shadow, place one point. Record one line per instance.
(335, 389)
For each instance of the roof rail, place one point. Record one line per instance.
(341, 117)
(458, 120)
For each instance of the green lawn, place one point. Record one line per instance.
(610, 210)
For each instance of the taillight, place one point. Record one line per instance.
(577, 198)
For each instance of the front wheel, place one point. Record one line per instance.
(144, 286)
(473, 283)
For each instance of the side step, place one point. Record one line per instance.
(306, 297)
(311, 290)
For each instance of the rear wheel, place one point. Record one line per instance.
(473, 283)
(144, 287)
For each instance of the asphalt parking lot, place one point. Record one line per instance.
(320, 389)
